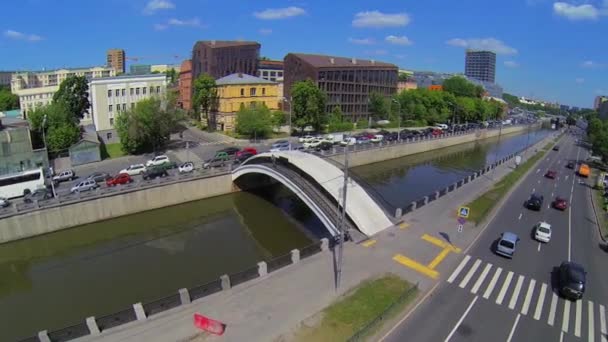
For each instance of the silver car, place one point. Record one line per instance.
(85, 185)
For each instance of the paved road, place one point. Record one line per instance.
(490, 298)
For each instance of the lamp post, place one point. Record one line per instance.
(342, 221)
(47, 152)
(290, 101)
(398, 119)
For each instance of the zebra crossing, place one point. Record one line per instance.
(530, 297)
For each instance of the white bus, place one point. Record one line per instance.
(12, 186)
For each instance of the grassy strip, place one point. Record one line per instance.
(342, 319)
(600, 205)
(483, 204)
(109, 151)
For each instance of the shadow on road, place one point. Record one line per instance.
(446, 236)
(555, 280)
(603, 246)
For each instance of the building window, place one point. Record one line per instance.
(112, 122)
(132, 105)
(242, 91)
(109, 93)
(124, 106)
(109, 108)
(131, 91)
(263, 91)
(143, 90)
(265, 73)
(136, 91)
(252, 91)
(109, 136)
(151, 90)
(273, 73)
(280, 73)
(123, 91)
(117, 92)
(158, 89)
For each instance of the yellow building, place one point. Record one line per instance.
(238, 90)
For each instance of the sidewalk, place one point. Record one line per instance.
(267, 308)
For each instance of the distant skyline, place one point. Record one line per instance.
(550, 50)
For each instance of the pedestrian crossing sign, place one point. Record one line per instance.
(464, 212)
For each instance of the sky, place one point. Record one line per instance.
(555, 51)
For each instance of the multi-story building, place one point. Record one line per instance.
(116, 59)
(222, 58)
(480, 65)
(270, 70)
(185, 85)
(32, 98)
(140, 69)
(5, 78)
(112, 95)
(237, 90)
(348, 82)
(35, 79)
(598, 101)
(17, 153)
(164, 67)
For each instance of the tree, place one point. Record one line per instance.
(308, 105)
(61, 130)
(378, 106)
(172, 75)
(204, 98)
(255, 121)
(459, 86)
(74, 92)
(336, 121)
(279, 118)
(62, 136)
(8, 100)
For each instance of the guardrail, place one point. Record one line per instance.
(141, 312)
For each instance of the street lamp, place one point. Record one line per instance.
(290, 101)
(398, 119)
(47, 152)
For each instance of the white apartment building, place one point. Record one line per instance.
(35, 79)
(5, 78)
(113, 95)
(32, 98)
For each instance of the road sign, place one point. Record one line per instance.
(460, 228)
(462, 220)
(464, 212)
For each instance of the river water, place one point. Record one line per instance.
(59, 279)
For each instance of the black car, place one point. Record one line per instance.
(99, 177)
(243, 156)
(572, 279)
(37, 195)
(154, 172)
(535, 202)
(324, 146)
(570, 165)
(556, 148)
(229, 150)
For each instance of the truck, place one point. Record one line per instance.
(584, 170)
(334, 138)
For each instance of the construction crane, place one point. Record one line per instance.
(137, 58)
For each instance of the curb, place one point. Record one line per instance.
(597, 221)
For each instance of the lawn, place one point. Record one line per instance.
(483, 204)
(360, 306)
(602, 216)
(109, 151)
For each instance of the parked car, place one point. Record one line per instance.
(281, 145)
(542, 232)
(556, 148)
(154, 172)
(186, 167)
(362, 140)
(312, 143)
(570, 165)
(324, 146)
(242, 157)
(535, 202)
(37, 195)
(158, 160)
(305, 138)
(4, 202)
(121, 178)
(560, 203)
(506, 244)
(442, 126)
(135, 169)
(99, 176)
(85, 185)
(572, 280)
(221, 159)
(436, 132)
(377, 138)
(228, 150)
(550, 174)
(65, 175)
(348, 141)
(249, 150)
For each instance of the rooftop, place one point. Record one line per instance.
(239, 78)
(225, 43)
(126, 77)
(57, 69)
(320, 61)
(266, 63)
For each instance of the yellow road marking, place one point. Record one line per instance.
(369, 243)
(439, 258)
(403, 225)
(440, 243)
(416, 266)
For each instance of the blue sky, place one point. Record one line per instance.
(547, 49)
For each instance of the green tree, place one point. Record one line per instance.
(336, 121)
(74, 92)
(255, 121)
(172, 75)
(378, 106)
(62, 136)
(60, 128)
(204, 99)
(279, 118)
(308, 105)
(8, 100)
(460, 86)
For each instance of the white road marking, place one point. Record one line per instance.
(577, 318)
(515, 295)
(533, 190)
(490, 287)
(520, 215)
(570, 229)
(603, 323)
(551, 195)
(591, 321)
(528, 299)
(551, 319)
(561, 336)
(464, 315)
(459, 269)
(541, 301)
(567, 177)
(469, 275)
(481, 278)
(503, 290)
(538, 170)
(566, 318)
(513, 328)
(539, 246)
(539, 181)
(549, 205)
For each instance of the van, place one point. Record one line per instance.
(506, 244)
(583, 170)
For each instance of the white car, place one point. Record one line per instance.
(186, 167)
(313, 143)
(85, 185)
(348, 142)
(442, 126)
(135, 169)
(306, 138)
(542, 232)
(377, 138)
(4, 202)
(158, 160)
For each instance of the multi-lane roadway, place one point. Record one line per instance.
(491, 298)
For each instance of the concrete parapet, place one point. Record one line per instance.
(225, 279)
(43, 336)
(295, 256)
(324, 244)
(426, 199)
(92, 325)
(184, 296)
(398, 213)
(139, 312)
(414, 205)
(262, 268)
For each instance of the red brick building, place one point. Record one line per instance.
(185, 85)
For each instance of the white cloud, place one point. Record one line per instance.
(12, 34)
(402, 40)
(511, 64)
(378, 19)
(591, 65)
(579, 80)
(194, 22)
(155, 5)
(265, 31)
(361, 41)
(491, 44)
(576, 12)
(279, 13)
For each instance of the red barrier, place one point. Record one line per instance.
(209, 325)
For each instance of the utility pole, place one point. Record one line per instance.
(47, 153)
(342, 221)
(398, 119)
(497, 147)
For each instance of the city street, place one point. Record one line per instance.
(488, 297)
